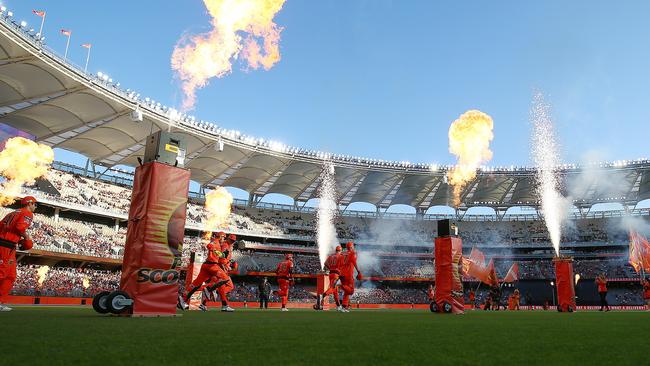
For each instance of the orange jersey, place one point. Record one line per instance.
(334, 262)
(349, 263)
(602, 285)
(284, 268)
(214, 249)
(431, 294)
(226, 249)
(14, 225)
(646, 290)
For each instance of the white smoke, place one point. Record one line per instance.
(387, 235)
(327, 209)
(546, 156)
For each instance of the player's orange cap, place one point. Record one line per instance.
(338, 248)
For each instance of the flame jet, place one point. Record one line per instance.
(218, 203)
(240, 29)
(21, 162)
(469, 140)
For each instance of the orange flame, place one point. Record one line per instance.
(469, 140)
(217, 208)
(198, 58)
(41, 273)
(21, 162)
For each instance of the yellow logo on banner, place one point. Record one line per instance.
(171, 148)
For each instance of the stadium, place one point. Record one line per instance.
(80, 242)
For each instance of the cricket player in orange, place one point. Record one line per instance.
(209, 269)
(285, 276)
(221, 280)
(13, 233)
(333, 264)
(347, 275)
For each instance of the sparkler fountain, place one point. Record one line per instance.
(326, 231)
(546, 157)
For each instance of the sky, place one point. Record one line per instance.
(385, 79)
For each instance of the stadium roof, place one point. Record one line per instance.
(65, 107)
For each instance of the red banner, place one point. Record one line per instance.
(154, 238)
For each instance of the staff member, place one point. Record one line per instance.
(13, 232)
(264, 290)
(601, 281)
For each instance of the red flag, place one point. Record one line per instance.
(492, 278)
(513, 273)
(86, 45)
(40, 13)
(639, 252)
(477, 257)
(66, 32)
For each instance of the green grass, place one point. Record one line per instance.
(75, 336)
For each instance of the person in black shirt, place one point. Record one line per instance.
(264, 290)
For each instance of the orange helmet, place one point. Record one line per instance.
(27, 200)
(220, 234)
(349, 245)
(232, 237)
(338, 248)
(288, 256)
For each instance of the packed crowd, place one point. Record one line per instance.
(36, 280)
(387, 232)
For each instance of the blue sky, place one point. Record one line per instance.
(384, 79)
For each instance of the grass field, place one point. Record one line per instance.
(76, 336)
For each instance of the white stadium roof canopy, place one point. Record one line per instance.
(62, 106)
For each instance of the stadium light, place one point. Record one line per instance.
(23, 23)
(3, 9)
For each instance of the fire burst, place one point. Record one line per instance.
(218, 203)
(326, 231)
(85, 282)
(240, 28)
(546, 157)
(41, 274)
(21, 162)
(469, 140)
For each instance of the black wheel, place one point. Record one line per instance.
(446, 307)
(559, 309)
(433, 307)
(570, 309)
(113, 302)
(99, 302)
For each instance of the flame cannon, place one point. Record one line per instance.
(566, 294)
(448, 250)
(152, 254)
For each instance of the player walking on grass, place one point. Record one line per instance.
(13, 233)
(347, 275)
(284, 273)
(601, 281)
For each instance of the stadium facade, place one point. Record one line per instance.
(62, 106)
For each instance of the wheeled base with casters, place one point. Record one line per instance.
(115, 302)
